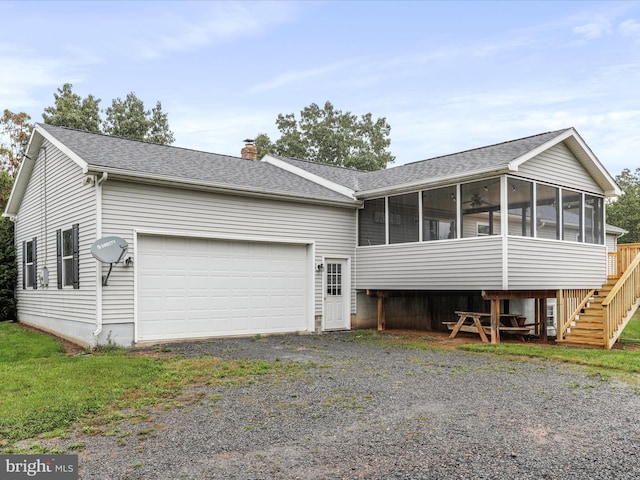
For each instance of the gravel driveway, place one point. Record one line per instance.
(364, 411)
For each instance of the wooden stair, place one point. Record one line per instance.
(588, 328)
(596, 318)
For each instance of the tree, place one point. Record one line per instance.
(124, 118)
(327, 135)
(624, 212)
(159, 127)
(15, 132)
(8, 268)
(127, 118)
(71, 110)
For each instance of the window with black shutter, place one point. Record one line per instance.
(29, 263)
(68, 257)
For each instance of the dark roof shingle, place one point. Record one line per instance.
(456, 164)
(103, 151)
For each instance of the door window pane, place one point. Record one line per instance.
(334, 279)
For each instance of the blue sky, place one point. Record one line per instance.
(448, 76)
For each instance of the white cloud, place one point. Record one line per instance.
(599, 28)
(292, 77)
(630, 28)
(21, 76)
(218, 23)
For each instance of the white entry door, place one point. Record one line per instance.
(336, 295)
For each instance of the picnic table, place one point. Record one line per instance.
(472, 322)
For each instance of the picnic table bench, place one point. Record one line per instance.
(472, 322)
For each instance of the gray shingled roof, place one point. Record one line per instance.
(347, 177)
(480, 159)
(107, 152)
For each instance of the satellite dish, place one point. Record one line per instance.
(109, 249)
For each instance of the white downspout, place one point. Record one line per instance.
(99, 183)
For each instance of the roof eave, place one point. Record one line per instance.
(602, 177)
(322, 181)
(38, 136)
(168, 180)
(24, 174)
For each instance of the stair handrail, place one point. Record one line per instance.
(620, 299)
(575, 313)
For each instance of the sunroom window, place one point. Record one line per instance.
(593, 219)
(547, 212)
(480, 203)
(439, 214)
(571, 216)
(520, 197)
(404, 218)
(371, 223)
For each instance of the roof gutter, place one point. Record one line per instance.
(166, 180)
(407, 187)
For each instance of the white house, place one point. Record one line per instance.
(220, 245)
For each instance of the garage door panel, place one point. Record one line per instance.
(191, 288)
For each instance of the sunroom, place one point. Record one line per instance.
(497, 233)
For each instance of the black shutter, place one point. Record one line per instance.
(24, 265)
(59, 257)
(35, 263)
(76, 255)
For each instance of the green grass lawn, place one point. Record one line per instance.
(45, 391)
(623, 362)
(632, 330)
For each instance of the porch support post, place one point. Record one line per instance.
(380, 312)
(495, 320)
(541, 318)
(560, 316)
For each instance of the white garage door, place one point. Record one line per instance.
(189, 288)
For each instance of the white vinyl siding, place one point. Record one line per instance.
(551, 264)
(66, 201)
(560, 167)
(477, 264)
(128, 207)
(461, 264)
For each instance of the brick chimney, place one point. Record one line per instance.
(249, 151)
